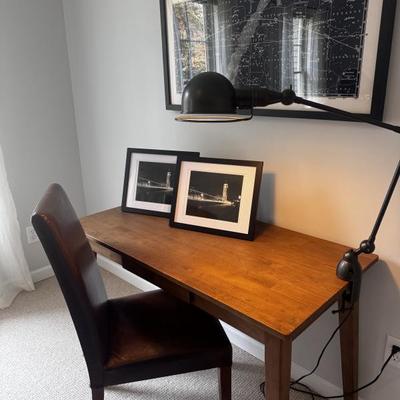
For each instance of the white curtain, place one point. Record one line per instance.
(14, 270)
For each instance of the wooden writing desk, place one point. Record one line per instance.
(271, 289)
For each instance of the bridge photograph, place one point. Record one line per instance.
(155, 182)
(214, 195)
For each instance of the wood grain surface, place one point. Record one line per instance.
(279, 283)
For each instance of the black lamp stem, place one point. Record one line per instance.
(367, 246)
(349, 267)
(348, 115)
(385, 204)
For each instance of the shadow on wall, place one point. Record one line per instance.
(266, 205)
(379, 317)
(379, 313)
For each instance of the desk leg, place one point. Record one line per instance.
(349, 351)
(278, 359)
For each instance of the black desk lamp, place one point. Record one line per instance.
(210, 97)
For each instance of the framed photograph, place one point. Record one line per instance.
(334, 52)
(149, 182)
(217, 196)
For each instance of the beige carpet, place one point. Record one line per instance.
(40, 357)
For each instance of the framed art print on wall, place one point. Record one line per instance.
(150, 180)
(217, 196)
(334, 52)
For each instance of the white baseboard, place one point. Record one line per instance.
(42, 273)
(125, 275)
(243, 341)
(256, 349)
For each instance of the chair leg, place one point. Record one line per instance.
(98, 393)
(225, 383)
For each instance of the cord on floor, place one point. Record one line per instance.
(341, 396)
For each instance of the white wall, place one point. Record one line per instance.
(323, 178)
(37, 125)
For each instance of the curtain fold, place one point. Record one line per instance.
(14, 271)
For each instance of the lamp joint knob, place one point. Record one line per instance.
(366, 247)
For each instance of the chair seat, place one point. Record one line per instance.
(149, 331)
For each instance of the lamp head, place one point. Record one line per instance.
(209, 97)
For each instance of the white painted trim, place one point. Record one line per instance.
(125, 275)
(243, 341)
(237, 337)
(256, 349)
(42, 273)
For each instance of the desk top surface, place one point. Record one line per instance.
(281, 281)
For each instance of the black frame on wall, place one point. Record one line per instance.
(380, 76)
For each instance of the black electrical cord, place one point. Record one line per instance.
(323, 351)
(313, 394)
(310, 392)
(320, 396)
(262, 389)
(308, 389)
(297, 381)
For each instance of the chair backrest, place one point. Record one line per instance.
(77, 272)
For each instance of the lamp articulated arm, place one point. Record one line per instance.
(211, 97)
(348, 115)
(349, 267)
(260, 97)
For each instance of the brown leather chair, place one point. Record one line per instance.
(128, 339)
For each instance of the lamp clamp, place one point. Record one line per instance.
(349, 269)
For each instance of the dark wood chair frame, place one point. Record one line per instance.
(95, 317)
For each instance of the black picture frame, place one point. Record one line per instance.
(183, 186)
(379, 83)
(152, 210)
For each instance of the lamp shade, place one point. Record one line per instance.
(209, 97)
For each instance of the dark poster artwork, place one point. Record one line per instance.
(155, 182)
(214, 195)
(314, 45)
